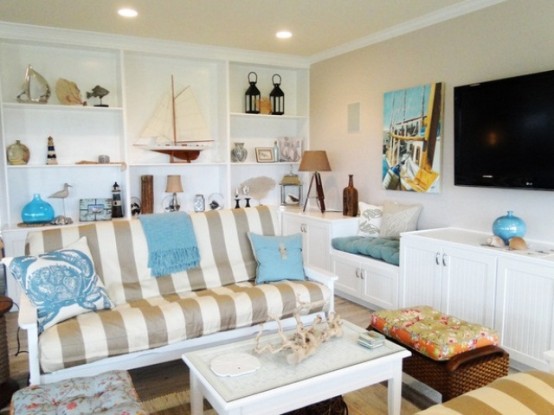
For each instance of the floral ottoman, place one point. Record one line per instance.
(450, 355)
(110, 393)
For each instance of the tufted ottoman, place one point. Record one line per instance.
(451, 355)
(110, 393)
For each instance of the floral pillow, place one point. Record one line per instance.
(369, 223)
(61, 284)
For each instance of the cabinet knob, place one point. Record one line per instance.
(303, 228)
(444, 260)
(437, 258)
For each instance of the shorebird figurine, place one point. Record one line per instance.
(62, 194)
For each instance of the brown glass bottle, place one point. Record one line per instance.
(350, 198)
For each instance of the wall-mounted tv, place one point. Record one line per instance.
(504, 133)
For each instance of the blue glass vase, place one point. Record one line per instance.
(508, 226)
(37, 211)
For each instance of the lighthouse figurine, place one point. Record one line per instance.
(117, 211)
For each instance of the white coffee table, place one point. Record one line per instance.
(338, 367)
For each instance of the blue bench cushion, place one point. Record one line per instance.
(383, 249)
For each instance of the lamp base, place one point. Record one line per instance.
(319, 189)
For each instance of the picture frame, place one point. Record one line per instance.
(290, 149)
(264, 155)
(92, 210)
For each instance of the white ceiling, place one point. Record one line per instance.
(318, 26)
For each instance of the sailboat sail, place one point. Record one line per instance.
(191, 129)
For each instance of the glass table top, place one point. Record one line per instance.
(337, 353)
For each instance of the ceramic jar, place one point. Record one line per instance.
(18, 153)
(239, 153)
(508, 226)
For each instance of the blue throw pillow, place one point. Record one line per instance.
(61, 284)
(279, 257)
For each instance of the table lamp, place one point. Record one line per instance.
(316, 161)
(174, 186)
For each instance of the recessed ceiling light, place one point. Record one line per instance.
(284, 34)
(127, 12)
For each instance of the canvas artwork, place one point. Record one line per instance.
(290, 148)
(412, 128)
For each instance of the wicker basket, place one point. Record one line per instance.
(462, 373)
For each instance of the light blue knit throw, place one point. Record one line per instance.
(171, 242)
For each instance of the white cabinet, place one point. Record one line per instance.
(317, 232)
(453, 277)
(367, 281)
(511, 291)
(525, 309)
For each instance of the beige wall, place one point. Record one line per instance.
(508, 39)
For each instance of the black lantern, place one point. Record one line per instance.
(277, 97)
(252, 96)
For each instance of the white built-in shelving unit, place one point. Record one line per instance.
(137, 72)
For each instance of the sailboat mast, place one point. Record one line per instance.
(173, 117)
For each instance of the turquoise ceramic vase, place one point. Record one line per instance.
(508, 226)
(37, 211)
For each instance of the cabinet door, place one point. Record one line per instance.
(349, 274)
(380, 285)
(468, 284)
(525, 310)
(318, 245)
(296, 224)
(420, 272)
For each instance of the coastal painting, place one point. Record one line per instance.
(412, 129)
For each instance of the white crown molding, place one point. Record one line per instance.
(439, 16)
(81, 38)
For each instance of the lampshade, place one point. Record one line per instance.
(314, 160)
(174, 184)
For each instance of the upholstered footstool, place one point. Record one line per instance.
(450, 355)
(110, 393)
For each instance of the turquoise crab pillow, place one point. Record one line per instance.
(279, 257)
(61, 284)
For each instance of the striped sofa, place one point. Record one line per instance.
(156, 319)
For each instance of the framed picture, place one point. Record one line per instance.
(264, 154)
(91, 210)
(290, 148)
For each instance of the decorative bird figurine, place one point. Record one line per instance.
(62, 194)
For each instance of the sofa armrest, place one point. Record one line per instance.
(28, 321)
(549, 356)
(325, 278)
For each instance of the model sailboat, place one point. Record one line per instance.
(177, 127)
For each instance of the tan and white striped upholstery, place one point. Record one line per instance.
(152, 312)
(525, 393)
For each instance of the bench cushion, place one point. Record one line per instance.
(384, 249)
(158, 321)
(432, 333)
(111, 393)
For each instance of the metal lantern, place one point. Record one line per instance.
(277, 97)
(291, 190)
(252, 95)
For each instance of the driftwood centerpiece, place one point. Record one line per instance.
(305, 340)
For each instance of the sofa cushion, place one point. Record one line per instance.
(158, 321)
(279, 257)
(120, 252)
(61, 284)
(387, 250)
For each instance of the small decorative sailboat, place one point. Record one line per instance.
(30, 89)
(177, 127)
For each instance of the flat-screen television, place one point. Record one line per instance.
(504, 133)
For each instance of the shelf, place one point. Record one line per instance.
(54, 107)
(255, 163)
(121, 166)
(267, 116)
